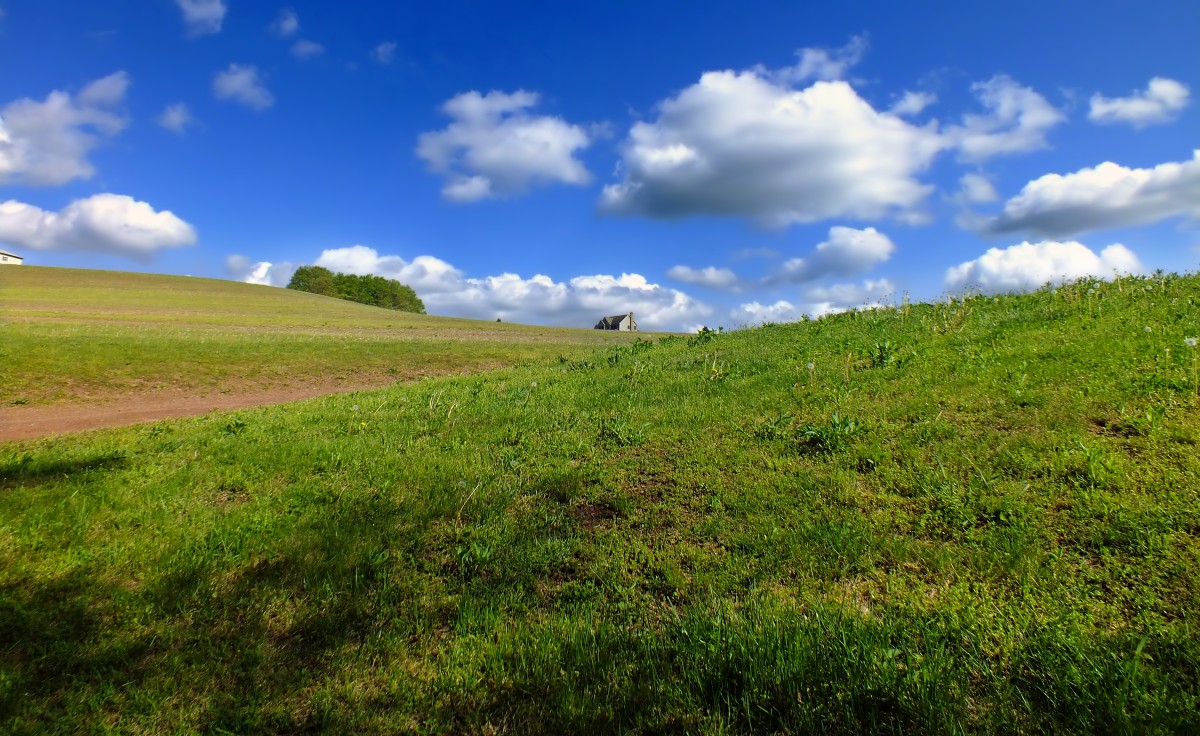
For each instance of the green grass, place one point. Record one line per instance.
(69, 335)
(967, 517)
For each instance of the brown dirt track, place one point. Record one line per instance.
(33, 422)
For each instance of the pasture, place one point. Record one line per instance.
(74, 338)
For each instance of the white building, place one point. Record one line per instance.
(10, 259)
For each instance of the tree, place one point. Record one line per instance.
(313, 279)
(375, 291)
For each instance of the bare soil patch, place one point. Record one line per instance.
(33, 422)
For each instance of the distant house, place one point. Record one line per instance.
(621, 322)
(10, 259)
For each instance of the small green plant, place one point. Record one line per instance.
(830, 436)
(715, 371)
(777, 427)
(1096, 467)
(471, 555)
(1191, 342)
(704, 336)
(884, 354)
(618, 432)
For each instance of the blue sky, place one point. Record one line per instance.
(697, 163)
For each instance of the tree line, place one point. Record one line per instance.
(373, 290)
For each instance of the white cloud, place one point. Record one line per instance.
(287, 23)
(912, 103)
(755, 313)
(976, 188)
(1159, 103)
(1106, 196)
(739, 144)
(821, 63)
(104, 223)
(384, 52)
(710, 276)
(47, 143)
(1030, 265)
(304, 49)
(202, 16)
(495, 148)
(816, 302)
(242, 84)
(264, 273)
(176, 118)
(578, 302)
(847, 251)
(1017, 121)
(840, 297)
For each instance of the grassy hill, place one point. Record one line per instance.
(69, 335)
(973, 516)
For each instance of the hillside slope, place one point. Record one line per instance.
(975, 516)
(99, 337)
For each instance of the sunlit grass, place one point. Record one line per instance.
(980, 515)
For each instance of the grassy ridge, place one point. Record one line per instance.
(72, 335)
(977, 516)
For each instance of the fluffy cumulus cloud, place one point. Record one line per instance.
(1016, 121)
(264, 273)
(1160, 102)
(912, 103)
(202, 17)
(745, 144)
(1106, 196)
(578, 302)
(176, 118)
(847, 251)
(46, 143)
(822, 63)
(243, 84)
(840, 297)
(102, 223)
(816, 302)
(710, 276)
(495, 148)
(1030, 265)
(976, 188)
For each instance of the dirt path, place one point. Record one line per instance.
(32, 422)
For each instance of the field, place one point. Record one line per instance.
(75, 344)
(974, 516)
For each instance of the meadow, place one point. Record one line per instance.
(72, 336)
(980, 515)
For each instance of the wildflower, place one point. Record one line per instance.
(1190, 342)
(1147, 328)
(354, 408)
(533, 385)
(811, 365)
